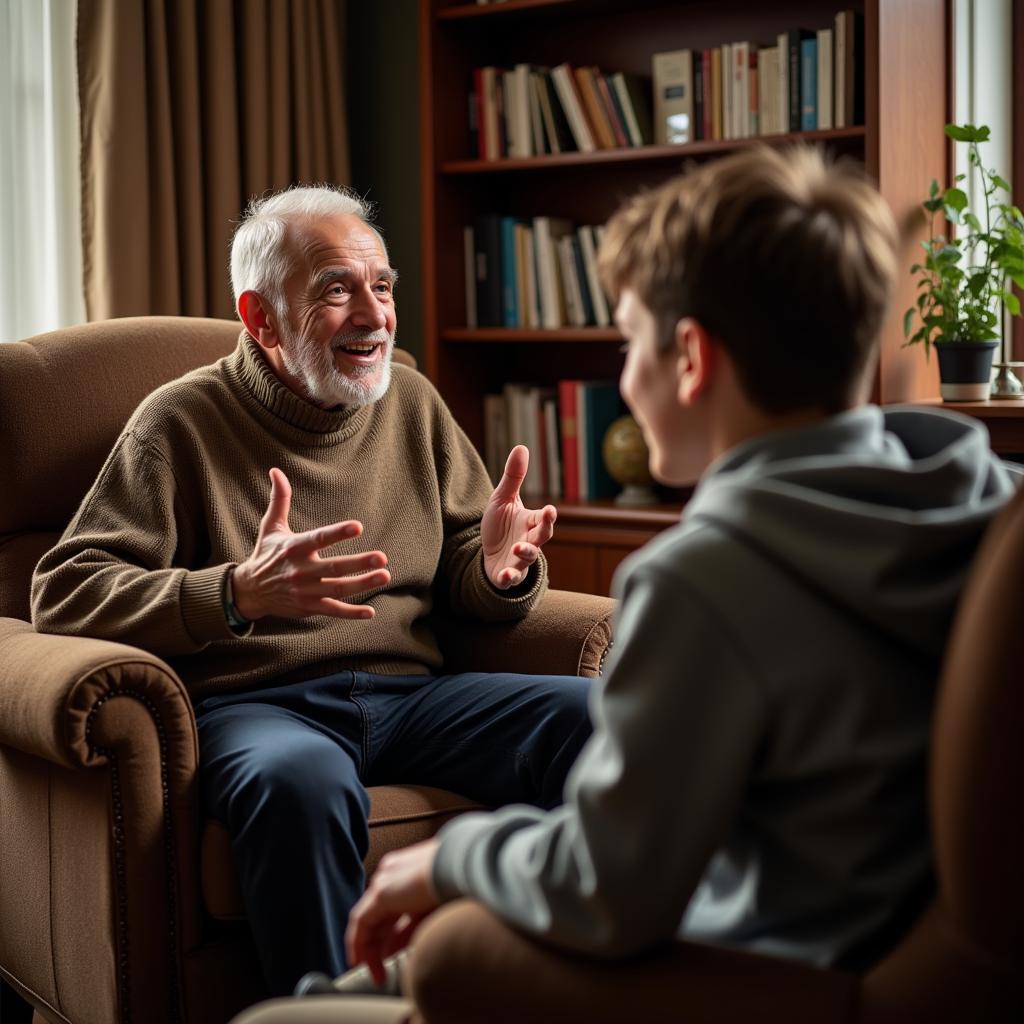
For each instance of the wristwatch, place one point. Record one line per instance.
(235, 618)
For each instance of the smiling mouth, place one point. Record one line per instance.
(360, 349)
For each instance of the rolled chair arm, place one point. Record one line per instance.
(53, 690)
(566, 634)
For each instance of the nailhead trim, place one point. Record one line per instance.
(604, 655)
(120, 872)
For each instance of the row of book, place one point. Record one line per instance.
(531, 111)
(809, 80)
(564, 429)
(539, 273)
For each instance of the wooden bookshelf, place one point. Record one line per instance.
(901, 144)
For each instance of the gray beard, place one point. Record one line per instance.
(312, 364)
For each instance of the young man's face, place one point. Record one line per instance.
(649, 384)
(340, 325)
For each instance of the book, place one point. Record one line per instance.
(825, 78)
(487, 243)
(518, 113)
(582, 281)
(716, 93)
(808, 85)
(619, 110)
(536, 118)
(847, 53)
(469, 262)
(546, 232)
(532, 295)
(611, 109)
(672, 74)
(489, 113)
(739, 92)
(496, 447)
(522, 313)
(509, 282)
(698, 96)
(707, 110)
(764, 91)
(570, 281)
(588, 246)
(602, 407)
(475, 136)
(594, 108)
(794, 40)
(564, 141)
(633, 98)
(552, 444)
(725, 73)
(753, 94)
(568, 436)
(572, 104)
(782, 98)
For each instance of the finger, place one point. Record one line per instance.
(341, 610)
(544, 525)
(312, 541)
(508, 577)
(516, 465)
(525, 555)
(349, 585)
(276, 516)
(347, 565)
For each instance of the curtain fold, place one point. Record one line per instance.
(189, 108)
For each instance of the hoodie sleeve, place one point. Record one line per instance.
(654, 793)
(111, 577)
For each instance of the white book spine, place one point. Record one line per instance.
(727, 123)
(554, 449)
(600, 304)
(825, 78)
(783, 83)
(618, 82)
(839, 72)
(520, 115)
(564, 85)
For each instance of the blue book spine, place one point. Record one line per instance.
(509, 284)
(603, 408)
(809, 85)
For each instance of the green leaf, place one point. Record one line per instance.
(1012, 303)
(933, 189)
(999, 182)
(932, 205)
(915, 268)
(908, 321)
(960, 177)
(972, 222)
(956, 198)
(977, 282)
(964, 133)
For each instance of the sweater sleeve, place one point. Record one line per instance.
(653, 794)
(464, 490)
(111, 575)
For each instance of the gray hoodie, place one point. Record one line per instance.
(756, 777)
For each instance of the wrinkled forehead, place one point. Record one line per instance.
(343, 238)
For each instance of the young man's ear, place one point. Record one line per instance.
(695, 360)
(259, 318)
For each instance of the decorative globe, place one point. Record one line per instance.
(625, 457)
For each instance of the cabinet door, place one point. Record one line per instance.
(572, 567)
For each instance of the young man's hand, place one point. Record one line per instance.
(286, 576)
(512, 534)
(399, 896)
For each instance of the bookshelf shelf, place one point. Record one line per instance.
(513, 336)
(642, 154)
(903, 64)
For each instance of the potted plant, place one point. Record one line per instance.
(964, 280)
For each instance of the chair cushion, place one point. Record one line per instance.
(399, 816)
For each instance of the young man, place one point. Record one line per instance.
(756, 777)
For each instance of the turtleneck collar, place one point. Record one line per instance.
(280, 408)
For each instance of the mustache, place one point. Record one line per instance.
(380, 336)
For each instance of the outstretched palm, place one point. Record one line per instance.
(512, 534)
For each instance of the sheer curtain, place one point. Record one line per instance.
(40, 222)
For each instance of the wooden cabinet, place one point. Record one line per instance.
(901, 144)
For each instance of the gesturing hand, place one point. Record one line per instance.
(399, 896)
(286, 576)
(512, 534)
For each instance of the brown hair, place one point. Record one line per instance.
(786, 260)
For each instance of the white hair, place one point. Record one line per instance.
(259, 261)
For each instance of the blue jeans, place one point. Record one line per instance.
(284, 769)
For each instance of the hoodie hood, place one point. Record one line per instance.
(878, 510)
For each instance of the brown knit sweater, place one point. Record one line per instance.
(178, 503)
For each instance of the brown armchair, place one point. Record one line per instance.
(117, 901)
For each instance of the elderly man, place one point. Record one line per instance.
(307, 654)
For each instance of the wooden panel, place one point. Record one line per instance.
(907, 96)
(608, 560)
(572, 567)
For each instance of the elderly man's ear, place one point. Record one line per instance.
(259, 318)
(696, 360)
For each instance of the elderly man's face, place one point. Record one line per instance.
(340, 324)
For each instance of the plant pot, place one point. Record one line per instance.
(965, 369)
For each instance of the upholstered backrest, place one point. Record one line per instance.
(977, 776)
(64, 397)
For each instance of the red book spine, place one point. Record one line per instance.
(570, 455)
(705, 64)
(613, 116)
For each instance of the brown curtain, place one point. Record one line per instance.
(189, 108)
